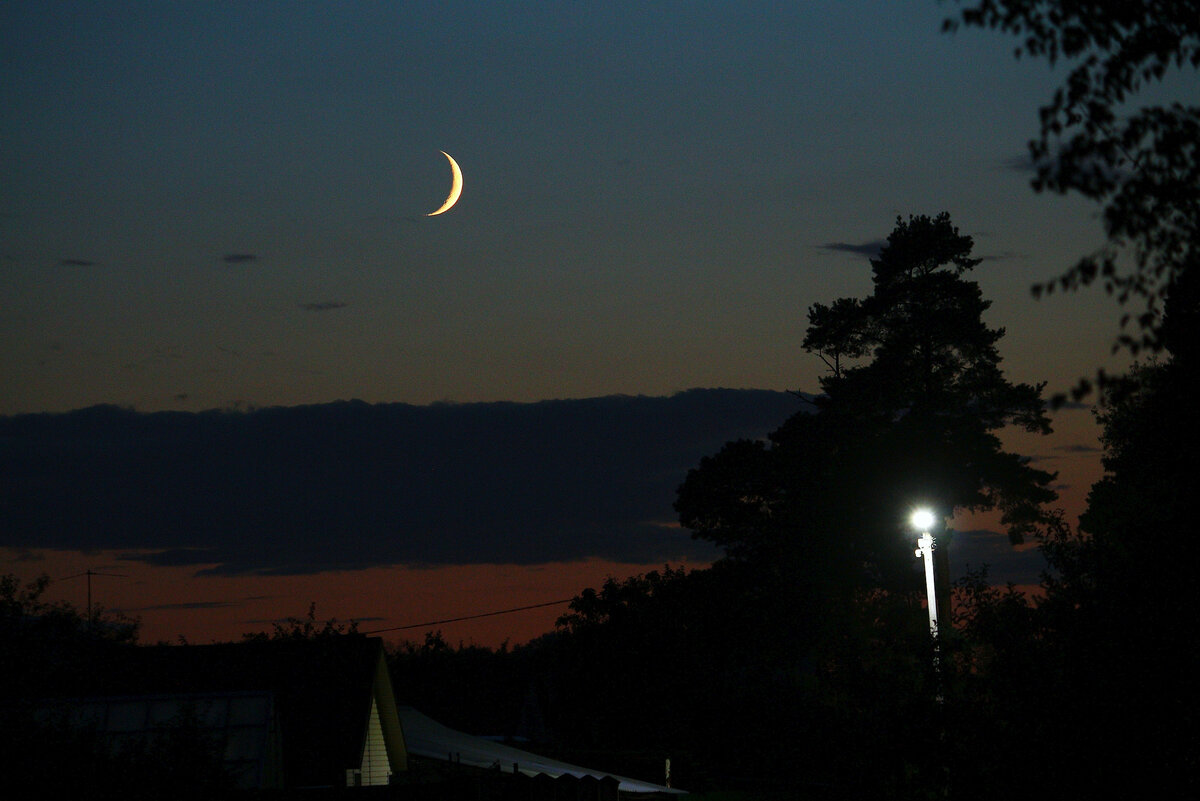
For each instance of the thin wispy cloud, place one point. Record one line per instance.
(327, 305)
(1007, 255)
(77, 263)
(187, 605)
(1018, 163)
(869, 249)
(239, 258)
(1078, 448)
(1025, 164)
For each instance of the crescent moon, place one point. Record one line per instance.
(455, 186)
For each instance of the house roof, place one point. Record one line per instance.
(322, 691)
(428, 738)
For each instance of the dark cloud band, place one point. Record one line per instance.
(352, 485)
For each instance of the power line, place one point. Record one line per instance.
(89, 573)
(471, 617)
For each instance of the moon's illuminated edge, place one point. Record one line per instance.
(456, 186)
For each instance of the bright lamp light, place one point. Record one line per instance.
(922, 519)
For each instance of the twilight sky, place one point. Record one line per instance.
(222, 206)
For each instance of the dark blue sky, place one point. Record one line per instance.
(654, 194)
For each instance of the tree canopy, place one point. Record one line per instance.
(912, 404)
(932, 354)
(1099, 137)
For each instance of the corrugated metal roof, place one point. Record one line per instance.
(428, 738)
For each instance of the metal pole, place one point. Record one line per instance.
(924, 550)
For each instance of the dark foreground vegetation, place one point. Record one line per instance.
(800, 664)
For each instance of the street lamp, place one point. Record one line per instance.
(923, 520)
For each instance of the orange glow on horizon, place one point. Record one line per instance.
(172, 601)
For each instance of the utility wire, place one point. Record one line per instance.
(89, 573)
(470, 617)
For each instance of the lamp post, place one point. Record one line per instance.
(923, 520)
